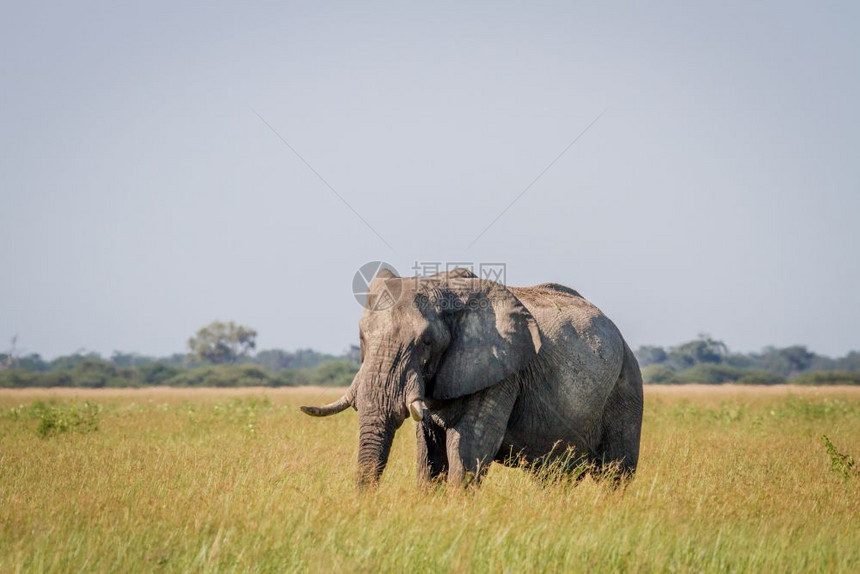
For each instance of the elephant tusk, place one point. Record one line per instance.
(417, 408)
(326, 410)
(339, 405)
(323, 411)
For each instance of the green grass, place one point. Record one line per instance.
(176, 481)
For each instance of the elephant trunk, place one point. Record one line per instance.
(374, 446)
(391, 391)
(386, 390)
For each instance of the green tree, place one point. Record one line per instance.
(156, 373)
(275, 360)
(798, 358)
(97, 373)
(651, 355)
(68, 362)
(702, 350)
(32, 362)
(222, 342)
(657, 374)
(333, 374)
(121, 359)
(850, 362)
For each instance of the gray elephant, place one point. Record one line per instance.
(491, 373)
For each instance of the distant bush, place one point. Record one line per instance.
(56, 379)
(704, 360)
(287, 378)
(827, 378)
(786, 363)
(11, 378)
(17, 378)
(709, 373)
(222, 376)
(88, 372)
(96, 373)
(277, 359)
(156, 373)
(68, 362)
(333, 374)
(651, 355)
(761, 377)
(657, 374)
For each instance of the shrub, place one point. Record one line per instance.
(55, 417)
(156, 373)
(95, 373)
(840, 463)
(827, 378)
(761, 377)
(288, 378)
(222, 376)
(17, 378)
(333, 374)
(657, 374)
(709, 373)
(12, 378)
(650, 355)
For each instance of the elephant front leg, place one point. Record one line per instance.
(473, 442)
(470, 456)
(432, 455)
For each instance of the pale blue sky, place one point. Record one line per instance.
(141, 197)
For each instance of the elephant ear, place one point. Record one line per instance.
(493, 336)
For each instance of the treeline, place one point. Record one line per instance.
(704, 360)
(270, 368)
(707, 360)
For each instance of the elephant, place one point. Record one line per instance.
(490, 373)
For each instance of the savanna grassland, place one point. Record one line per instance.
(731, 479)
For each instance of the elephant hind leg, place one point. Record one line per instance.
(622, 419)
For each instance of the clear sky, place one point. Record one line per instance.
(141, 196)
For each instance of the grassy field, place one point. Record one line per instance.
(731, 479)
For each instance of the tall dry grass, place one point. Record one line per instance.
(731, 479)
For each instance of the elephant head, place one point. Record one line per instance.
(447, 336)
